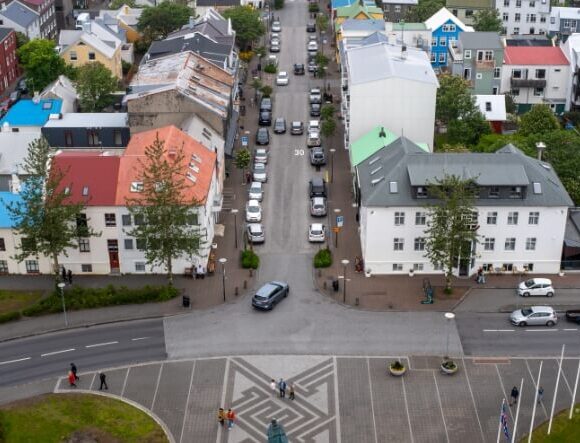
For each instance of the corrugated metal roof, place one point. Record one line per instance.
(90, 120)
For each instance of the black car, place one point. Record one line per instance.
(317, 156)
(317, 187)
(265, 118)
(299, 69)
(270, 294)
(266, 104)
(315, 109)
(262, 136)
(280, 126)
(311, 27)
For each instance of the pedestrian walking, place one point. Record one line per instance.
(514, 395)
(282, 388)
(63, 274)
(291, 392)
(69, 275)
(273, 385)
(71, 379)
(221, 416)
(231, 417)
(103, 379)
(73, 369)
(540, 394)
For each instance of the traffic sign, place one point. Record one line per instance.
(339, 220)
(336, 229)
(245, 140)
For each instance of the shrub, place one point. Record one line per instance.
(313, 7)
(250, 259)
(126, 66)
(271, 68)
(266, 90)
(9, 316)
(397, 366)
(323, 258)
(246, 56)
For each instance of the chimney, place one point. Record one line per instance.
(125, 9)
(541, 147)
(191, 22)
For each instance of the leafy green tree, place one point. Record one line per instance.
(158, 21)
(44, 218)
(170, 228)
(42, 64)
(116, 4)
(242, 161)
(510, 104)
(247, 24)
(328, 127)
(322, 23)
(95, 84)
(321, 61)
(266, 90)
(327, 112)
(21, 39)
(450, 235)
(468, 129)
(538, 120)
(454, 99)
(488, 20)
(424, 10)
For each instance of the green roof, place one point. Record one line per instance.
(409, 27)
(466, 4)
(356, 8)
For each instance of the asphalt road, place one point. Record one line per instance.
(89, 348)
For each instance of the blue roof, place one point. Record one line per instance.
(27, 113)
(7, 197)
(341, 3)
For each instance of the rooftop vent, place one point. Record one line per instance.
(393, 187)
(382, 133)
(374, 171)
(374, 160)
(537, 187)
(172, 153)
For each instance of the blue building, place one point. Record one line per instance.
(445, 29)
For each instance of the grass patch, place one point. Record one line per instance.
(11, 301)
(563, 430)
(57, 417)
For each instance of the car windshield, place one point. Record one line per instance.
(259, 167)
(526, 311)
(316, 232)
(529, 283)
(253, 209)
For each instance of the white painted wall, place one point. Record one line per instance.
(541, 9)
(12, 241)
(557, 78)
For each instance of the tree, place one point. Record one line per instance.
(488, 20)
(468, 129)
(41, 63)
(44, 217)
(322, 23)
(170, 229)
(321, 61)
(116, 4)
(327, 127)
(266, 90)
(158, 21)
(327, 112)
(454, 99)
(424, 10)
(247, 24)
(21, 39)
(242, 161)
(95, 84)
(538, 120)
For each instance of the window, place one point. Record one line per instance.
(27, 244)
(84, 245)
(3, 267)
(467, 54)
(2, 244)
(433, 58)
(141, 244)
(92, 137)
(139, 219)
(139, 266)
(534, 218)
(516, 31)
(492, 218)
(505, 17)
(532, 4)
(91, 56)
(117, 137)
(494, 192)
(516, 192)
(398, 244)
(518, 3)
(469, 13)
(126, 219)
(397, 8)
(540, 73)
(82, 225)
(512, 218)
(538, 92)
(451, 28)
(68, 138)
(419, 244)
(87, 268)
(531, 244)
(129, 243)
(487, 106)
(489, 244)
(506, 3)
(434, 42)
(518, 17)
(442, 41)
(516, 73)
(73, 56)
(510, 244)
(399, 218)
(420, 218)
(532, 18)
(488, 56)
(32, 266)
(441, 58)
(110, 220)
(496, 72)
(417, 266)
(529, 267)
(397, 267)
(515, 92)
(421, 192)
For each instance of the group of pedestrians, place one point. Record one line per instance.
(228, 417)
(73, 378)
(515, 395)
(281, 386)
(67, 276)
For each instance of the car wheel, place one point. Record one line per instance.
(526, 294)
(550, 294)
(550, 323)
(286, 292)
(522, 323)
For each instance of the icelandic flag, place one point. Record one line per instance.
(504, 424)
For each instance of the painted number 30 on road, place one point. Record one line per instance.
(298, 151)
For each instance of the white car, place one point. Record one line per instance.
(253, 211)
(255, 233)
(536, 287)
(276, 27)
(316, 233)
(312, 47)
(259, 173)
(313, 139)
(256, 191)
(282, 79)
(314, 125)
(261, 155)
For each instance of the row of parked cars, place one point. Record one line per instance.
(14, 96)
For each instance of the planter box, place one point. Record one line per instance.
(397, 372)
(449, 371)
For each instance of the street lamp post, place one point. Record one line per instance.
(61, 288)
(449, 316)
(223, 262)
(345, 263)
(235, 212)
(337, 228)
(332, 151)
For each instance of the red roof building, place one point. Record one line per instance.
(534, 55)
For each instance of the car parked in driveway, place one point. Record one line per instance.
(280, 125)
(256, 191)
(265, 118)
(259, 173)
(253, 211)
(261, 155)
(262, 136)
(270, 295)
(297, 128)
(282, 78)
(316, 233)
(266, 104)
(534, 315)
(255, 233)
(315, 109)
(536, 287)
(298, 69)
(317, 156)
(318, 206)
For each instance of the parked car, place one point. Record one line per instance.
(310, 27)
(312, 65)
(312, 47)
(276, 26)
(312, 38)
(316, 233)
(317, 187)
(317, 156)
(275, 39)
(274, 47)
(313, 139)
(261, 155)
(266, 104)
(536, 287)
(297, 128)
(265, 118)
(315, 109)
(314, 125)
(298, 68)
(14, 96)
(259, 173)
(573, 315)
(280, 125)
(253, 211)
(534, 315)
(255, 233)
(315, 95)
(282, 78)
(270, 295)
(262, 136)
(22, 86)
(318, 206)
(256, 191)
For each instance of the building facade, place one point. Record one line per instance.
(396, 10)
(445, 29)
(466, 10)
(522, 17)
(21, 18)
(9, 70)
(564, 22)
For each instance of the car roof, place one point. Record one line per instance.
(542, 280)
(318, 149)
(542, 308)
(280, 119)
(255, 227)
(253, 203)
(283, 73)
(316, 226)
(316, 181)
(318, 200)
(297, 123)
(261, 150)
(256, 185)
(267, 288)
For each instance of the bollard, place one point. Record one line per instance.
(356, 301)
(245, 284)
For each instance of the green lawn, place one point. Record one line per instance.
(57, 417)
(11, 301)
(563, 430)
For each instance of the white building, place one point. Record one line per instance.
(571, 49)
(384, 85)
(521, 210)
(534, 75)
(21, 18)
(524, 16)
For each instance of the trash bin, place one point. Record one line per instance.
(186, 301)
(335, 285)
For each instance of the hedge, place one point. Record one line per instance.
(9, 316)
(323, 258)
(250, 259)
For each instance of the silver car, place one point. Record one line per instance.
(318, 206)
(259, 173)
(261, 155)
(256, 191)
(313, 139)
(253, 211)
(297, 128)
(316, 233)
(255, 233)
(534, 315)
(276, 27)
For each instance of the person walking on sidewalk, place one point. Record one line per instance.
(540, 394)
(514, 395)
(69, 276)
(73, 369)
(273, 385)
(103, 379)
(282, 387)
(231, 417)
(221, 416)
(291, 392)
(71, 379)
(63, 274)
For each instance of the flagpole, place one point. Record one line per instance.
(575, 388)
(500, 421)
(556, 390)
(535, 403)
(518, 412)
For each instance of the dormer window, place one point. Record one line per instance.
(516, 192)
(494, 192)
(85, 191)
(421, 192)
(136, 186)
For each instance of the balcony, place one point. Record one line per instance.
(485, 65)
(527, 83)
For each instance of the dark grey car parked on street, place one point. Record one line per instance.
(270, 294)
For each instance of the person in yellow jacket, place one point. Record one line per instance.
(221, 416)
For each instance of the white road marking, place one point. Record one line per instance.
(498, 330)
(14, 361)
(96, 345)
(571, 329)
(372, 401)
(125, 382)
(57, 352)
(542, 330)
(440, 406)
(139, 338)
(473, 399)
(156, 387)
(406, 409)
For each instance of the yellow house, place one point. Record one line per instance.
(357, 11)
(91, 44)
